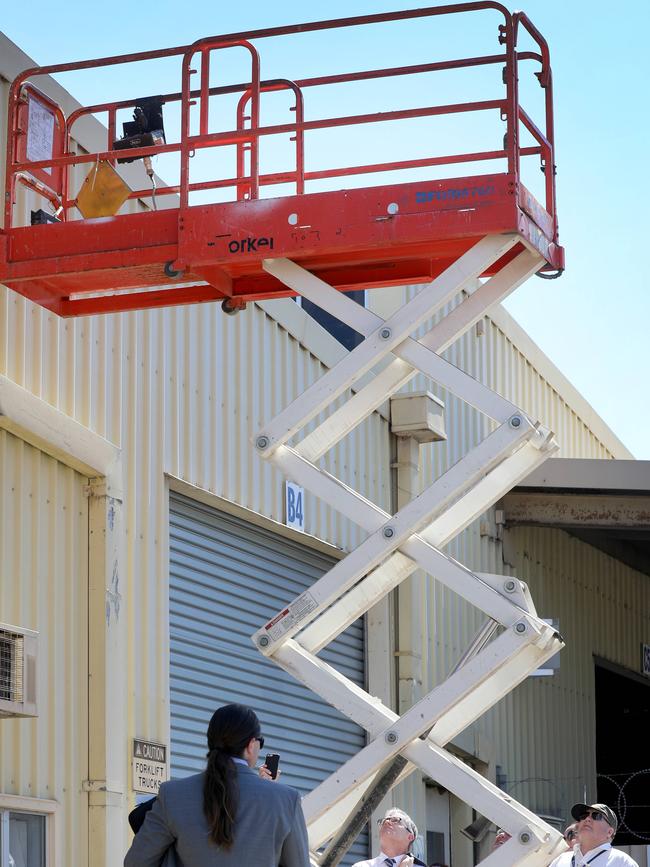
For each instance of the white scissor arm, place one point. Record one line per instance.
(513, 642)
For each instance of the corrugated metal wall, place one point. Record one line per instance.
(524, 733)
(44, 586)
(181, 391)
(603, 608)
(492, 358)
(543, 734)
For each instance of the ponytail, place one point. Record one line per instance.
(231, 729)
(221, 797)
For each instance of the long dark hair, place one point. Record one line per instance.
(229, 733)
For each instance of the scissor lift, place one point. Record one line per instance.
(485, 234)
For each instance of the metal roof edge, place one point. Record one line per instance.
(554, 376)
(591, 474)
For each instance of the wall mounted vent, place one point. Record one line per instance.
(18, 666)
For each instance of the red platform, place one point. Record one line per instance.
(368, 237)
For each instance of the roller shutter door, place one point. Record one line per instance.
(227, 576)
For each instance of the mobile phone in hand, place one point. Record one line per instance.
(272, 761)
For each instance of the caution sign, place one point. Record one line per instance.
(149, 764)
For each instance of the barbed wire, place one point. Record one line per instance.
(621, 803)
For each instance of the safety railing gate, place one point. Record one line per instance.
(514, 641)
(250, 169)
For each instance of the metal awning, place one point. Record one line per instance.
(606, 503)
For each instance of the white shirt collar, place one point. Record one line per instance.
(396, 858)
(592, 852)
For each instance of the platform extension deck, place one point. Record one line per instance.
(353, 238)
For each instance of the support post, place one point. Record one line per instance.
(107, 759)
(411, 618)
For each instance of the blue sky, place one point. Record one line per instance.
(593, 322)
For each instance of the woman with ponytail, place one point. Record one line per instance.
(227, 816)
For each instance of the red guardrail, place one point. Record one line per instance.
(50, 177)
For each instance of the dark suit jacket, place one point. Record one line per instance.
(138, 814)
(136, 820)
(269, 830)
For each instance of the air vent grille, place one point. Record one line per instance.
(18, 671)
(11, 666)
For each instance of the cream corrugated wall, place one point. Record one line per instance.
(526, 728)
(181, 391)
(44, 586)
(604, 609)
(492, 358)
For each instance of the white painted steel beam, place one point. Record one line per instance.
(492, 689)
(354, 604)
(369, 591)
(480, 302)
(537, 643)
(427, 755)
(472, 788)
(417, 548)
(412, 355)
(382, 542)
(475, 687)
(367, 711)
(536, 843)
(484, 494)
(399, 544)
(381, 341)
(319, 830)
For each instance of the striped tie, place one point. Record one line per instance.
(389, 862)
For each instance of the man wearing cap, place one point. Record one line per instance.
(596, 826)
(397, 831)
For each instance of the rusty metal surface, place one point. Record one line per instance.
(578, 510)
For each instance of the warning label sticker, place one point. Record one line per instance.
(40, 132)
(303, 605)
(289, 617)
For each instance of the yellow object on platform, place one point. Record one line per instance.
(103, 192)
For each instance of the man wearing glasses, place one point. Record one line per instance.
(397, 831)
(571, 835)
(595, 828)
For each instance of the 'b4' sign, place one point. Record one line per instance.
(294, 506)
